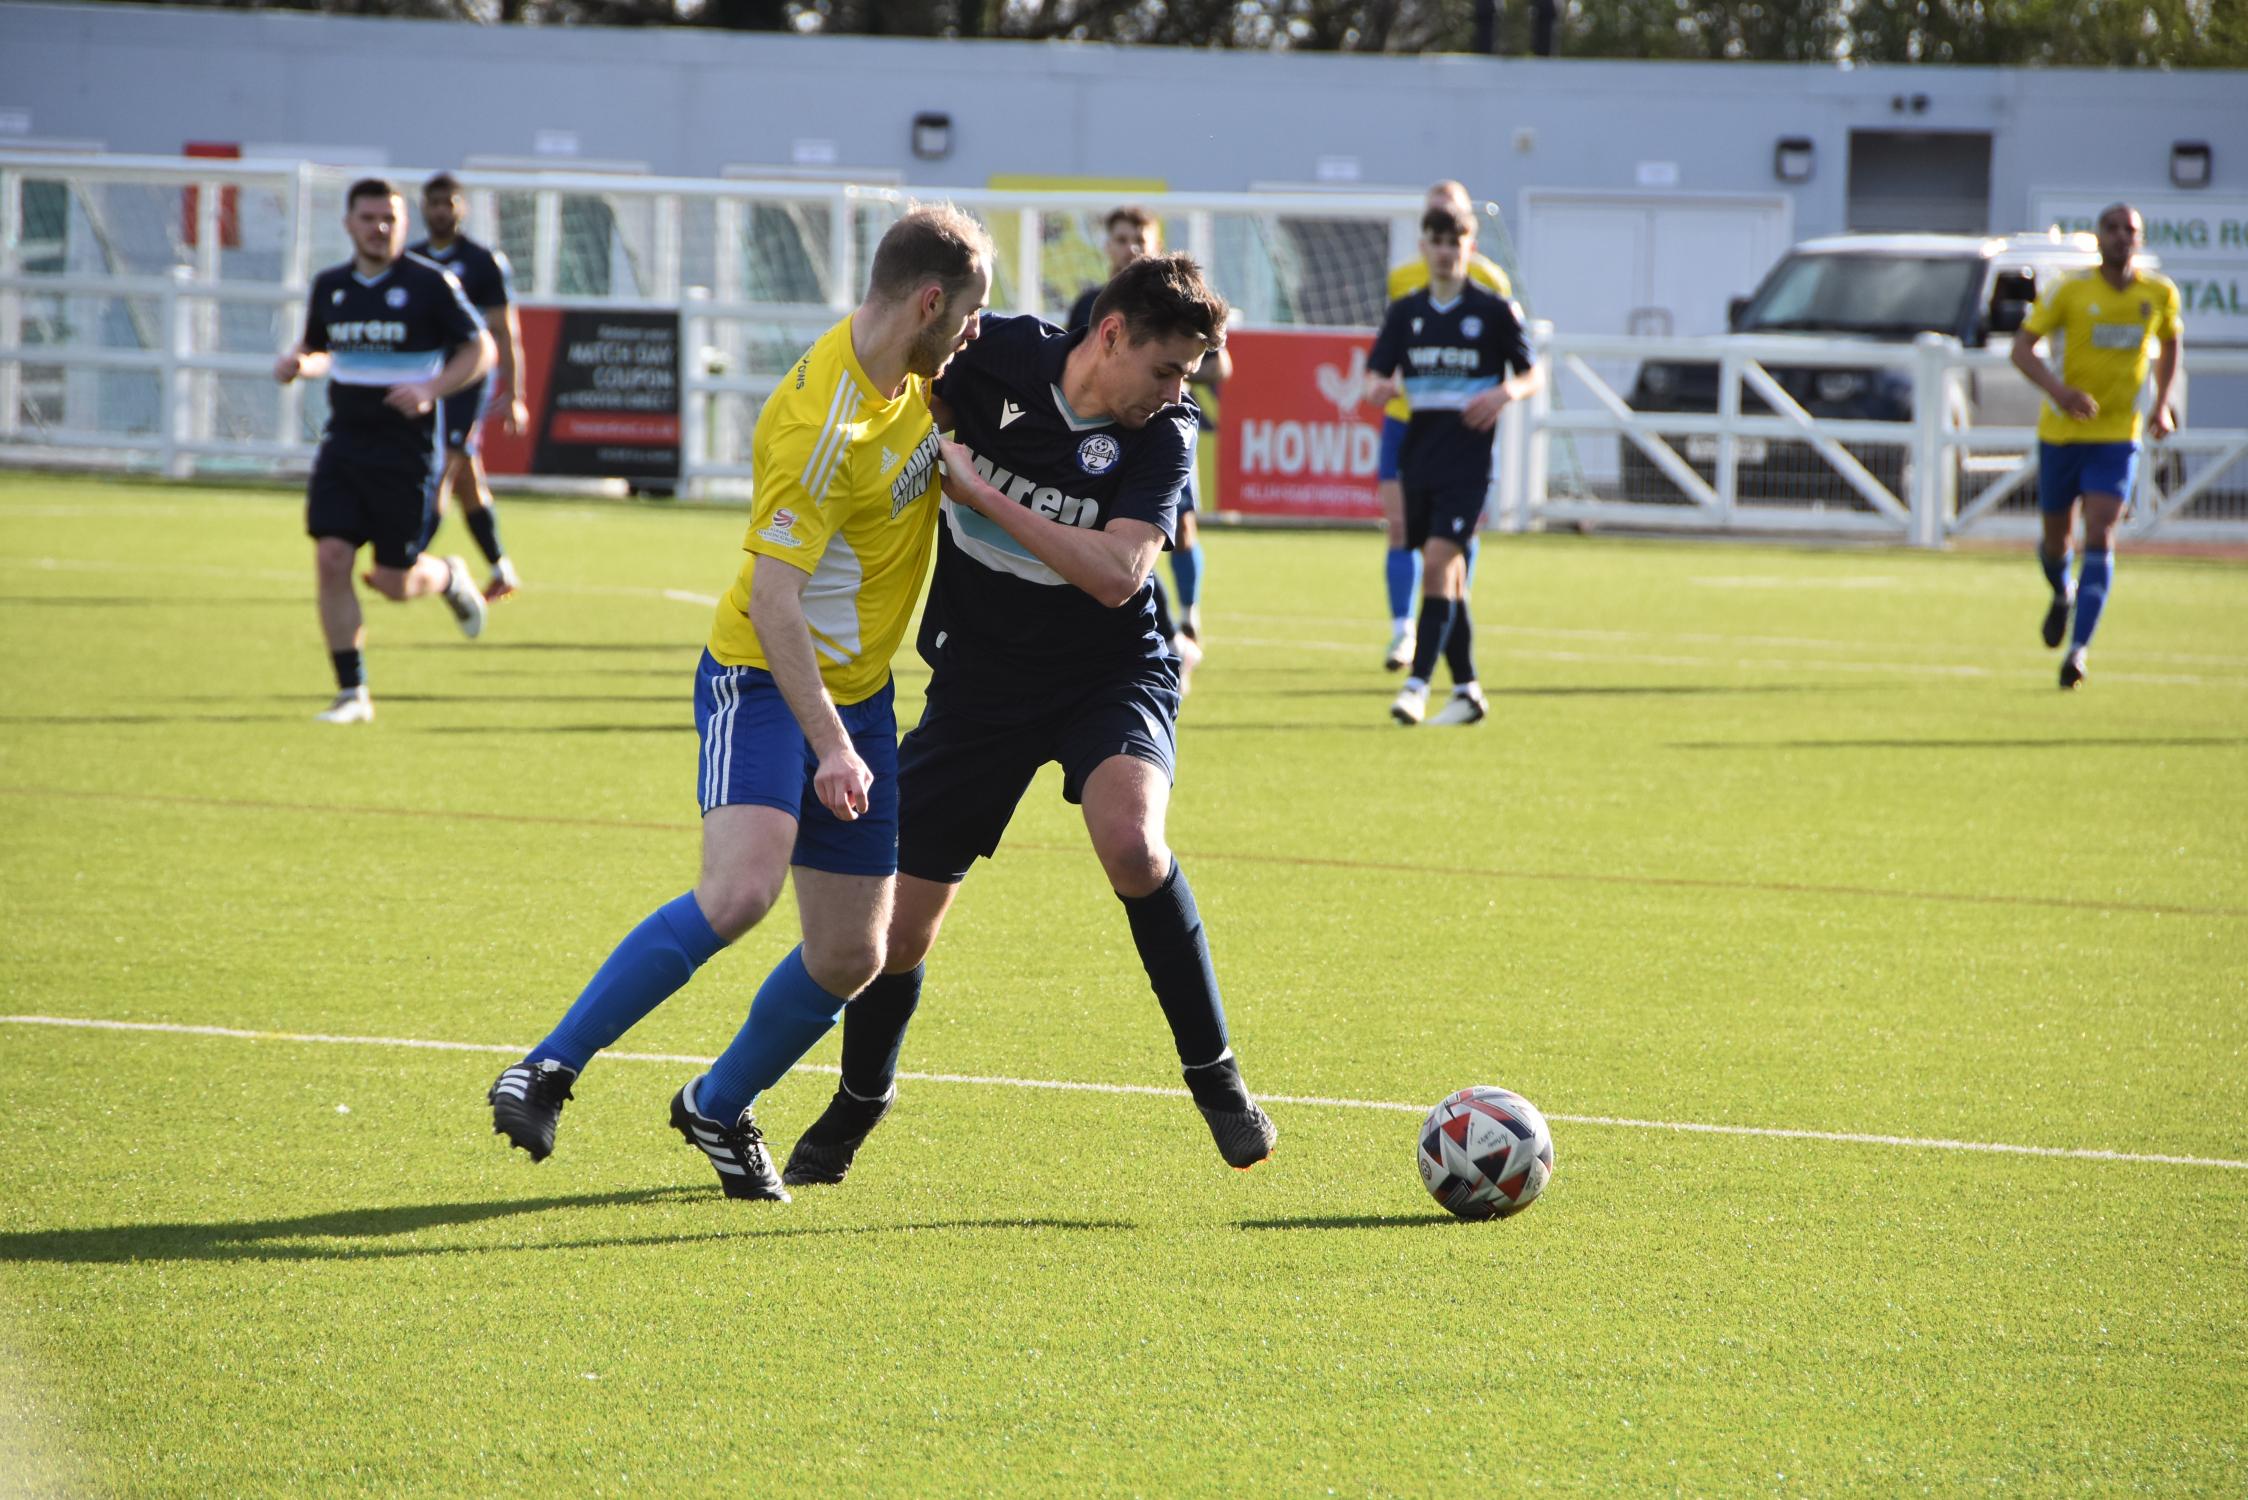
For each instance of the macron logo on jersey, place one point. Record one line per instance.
(1009, 414)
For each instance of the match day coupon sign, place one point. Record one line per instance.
(603, 393)
(1295, 439)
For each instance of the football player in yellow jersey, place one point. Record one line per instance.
(2088, 437)
(793, 702)
(1402, 566)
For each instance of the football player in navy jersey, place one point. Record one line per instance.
(394, 335)
(1061, 490)
(484, 275)
(1460, 353)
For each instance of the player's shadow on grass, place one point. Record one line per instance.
(124, 720)
(683, 649)
(1564, 690)
(361, 1228)
(556, 729)
(1349, 1221)
(122, 601)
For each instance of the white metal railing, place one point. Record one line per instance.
(1923, 480)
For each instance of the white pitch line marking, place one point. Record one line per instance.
(1770, 1132)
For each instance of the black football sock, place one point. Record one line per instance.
(1459, 646)
(1167, 929)
(484, 525)
(874, 1032)
(351, 669)
(1428, 644)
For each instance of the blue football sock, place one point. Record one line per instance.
(2093, 581)
(1167, 929)
(874, 1032)
(656, 958)
(1186, 571)
(791, 1013)
(2056, 572)
(1403, 573)
(1474, 551)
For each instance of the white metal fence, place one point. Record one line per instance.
(1758, 461)
(142, 301)
(142, 298)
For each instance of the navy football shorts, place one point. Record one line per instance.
(1448, 512)
(2068, 470)
(372, 498)
(754, 752)
(461, 415)
(961, 772)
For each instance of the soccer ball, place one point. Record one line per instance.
(1485, 1153)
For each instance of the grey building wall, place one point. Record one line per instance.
(691, 102)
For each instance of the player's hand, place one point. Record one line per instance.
(518, 416)
(411, 400)
(2164, 422)
(1481, 413)
(842, 782)
(2075, 403)
(961, 482)
(1379, 389)
(286, 367)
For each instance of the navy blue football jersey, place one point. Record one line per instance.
(1449, 354)
(995, 611)
(394, 330)
(1081, 311)
(483, 272)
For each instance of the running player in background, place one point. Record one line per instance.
(1451, 346)
(483, 274)
(1041, 642)
(394, 335)
(1401, 568)
(1133, 232)
(793, 700)
(2088, 436)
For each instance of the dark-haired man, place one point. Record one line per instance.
(395, 336)
(484, 275)
(793, 701)
(1461, 354)
(1042, 646)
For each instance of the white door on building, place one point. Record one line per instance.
(1647, 264)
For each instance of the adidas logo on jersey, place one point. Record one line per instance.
(1009, 413)
(888, 458)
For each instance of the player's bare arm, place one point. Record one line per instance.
(463, 367)
(776, 609)
(1482, 410)
(299, 363)
(508, 333)
(2167, 353)
(1110, 564)
(2067, 398)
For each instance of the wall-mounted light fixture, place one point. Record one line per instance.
(2191, 164)
(932, 135)
(1794, 158)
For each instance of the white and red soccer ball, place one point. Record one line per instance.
(1485, 1153)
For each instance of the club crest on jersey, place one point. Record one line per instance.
(1471, 326)
(1098, 454)
(396, 296)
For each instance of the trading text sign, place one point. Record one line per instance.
(2201, 242)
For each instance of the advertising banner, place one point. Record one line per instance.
(1294, 438)
(2201, 241)
(603, 393)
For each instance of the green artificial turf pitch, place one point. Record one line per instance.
(1779, 838)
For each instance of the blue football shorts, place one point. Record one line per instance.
(2068, 470)
(754, 753)
(1393, 446)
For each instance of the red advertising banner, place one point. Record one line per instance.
(1295, 440)
(603, 393)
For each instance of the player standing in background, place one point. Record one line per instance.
(484, 276)
(1133, 232)
(2088, 436)
(1040, 637)
(394, 336)
(1451, 345)
(793, 700)
(1401, 569)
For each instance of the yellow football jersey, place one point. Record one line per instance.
(847, 483)
(1407, 277)
(2105, 337)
